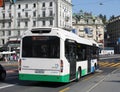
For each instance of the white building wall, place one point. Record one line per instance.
(19, 22)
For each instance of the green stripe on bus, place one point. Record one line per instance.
(84, 72)
(49, 78)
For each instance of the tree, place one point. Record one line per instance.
(103, 17)
(112, 17)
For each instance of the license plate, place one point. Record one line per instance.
(39, 71)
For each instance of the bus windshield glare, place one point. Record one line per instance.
(41, 47)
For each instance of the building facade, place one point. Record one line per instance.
(24, 14)
(89, 27)
(113, 33)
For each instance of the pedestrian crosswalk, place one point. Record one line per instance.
(109, 64)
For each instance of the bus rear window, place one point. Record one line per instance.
(41, 47)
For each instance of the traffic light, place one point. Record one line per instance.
(13, 1)
(1, 3)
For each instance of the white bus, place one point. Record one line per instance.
(56, 55)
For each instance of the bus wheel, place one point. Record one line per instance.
(94, 68)
(2, 76)
(78, 75)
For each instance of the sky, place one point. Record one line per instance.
(96, 7)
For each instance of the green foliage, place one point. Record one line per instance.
(104, 18)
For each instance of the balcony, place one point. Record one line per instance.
(82, 35)
(23, 18)
(90, 35)
(6, 19)
(45, 17)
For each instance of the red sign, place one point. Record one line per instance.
(1, 3)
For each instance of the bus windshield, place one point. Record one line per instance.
(41, 47)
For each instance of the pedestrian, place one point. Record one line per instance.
(5, 59)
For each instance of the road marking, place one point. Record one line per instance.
(7, 86)
(114, 71)
(97, 84)
(115, 65)
(65, 89)
(109, 64)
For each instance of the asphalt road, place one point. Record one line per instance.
(106, 80)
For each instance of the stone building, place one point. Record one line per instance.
(90, 27)
(24, 14)
(113, 34)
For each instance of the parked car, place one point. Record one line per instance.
(2, 73)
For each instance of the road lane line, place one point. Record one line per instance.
(2, 87)
(115, 71)
(104, 77)
(97, 84)
(65, 89)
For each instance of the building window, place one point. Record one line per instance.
(26, 24)
(10, 15)
(43, 13)
(18, 24)
(3, 41)
(34, 14)
(34, 5)
(2, 33)
(19, 6)
(43, 22)
(10, 6)
(51, 13)
(26, 6)
(26, 14)
(51, 4)
(9, 24)
(3, 24)
(19, 14)
(18, 33)
(43, 4)
(34, 23)
(51, 22)
(9, 33)
(3, 15)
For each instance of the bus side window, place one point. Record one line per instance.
(66, 50)
(81, 52)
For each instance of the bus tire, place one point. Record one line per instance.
(2, 76)
(78, 75)
(95, 67)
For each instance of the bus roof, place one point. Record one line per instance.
(61, 33)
